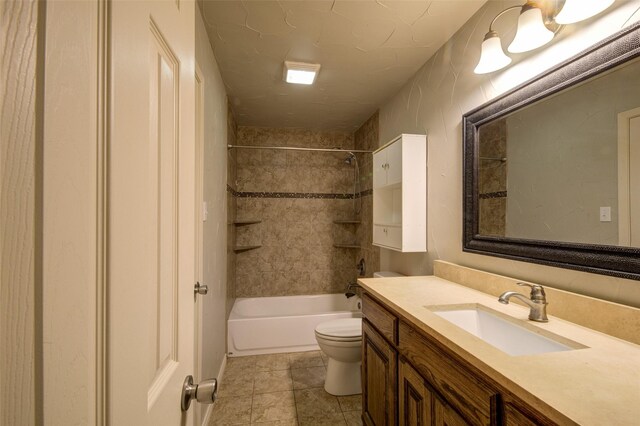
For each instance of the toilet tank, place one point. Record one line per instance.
(386, 274)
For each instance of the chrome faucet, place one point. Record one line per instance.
(537, 303)
(351, 288)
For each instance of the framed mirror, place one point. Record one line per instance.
(552, 168)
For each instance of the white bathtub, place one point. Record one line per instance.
(266, 325)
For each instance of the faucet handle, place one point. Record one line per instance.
(537, 292)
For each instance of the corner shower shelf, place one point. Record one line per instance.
(239, 249)
(246, 222)
(347, 222)
(347, 246)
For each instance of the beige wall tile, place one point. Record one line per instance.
(297, 234)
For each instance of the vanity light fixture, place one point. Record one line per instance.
(492, 57)
(578, 10)
(300, 72)
(532, 31)
(537, 25)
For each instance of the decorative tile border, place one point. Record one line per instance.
(293, 195)
(290, 195)
(497, 194)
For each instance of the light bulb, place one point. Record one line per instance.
(492, 57)
(578, 10)
(531, 33)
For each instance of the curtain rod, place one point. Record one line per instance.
(294, 148)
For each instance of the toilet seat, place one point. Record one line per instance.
(341, 330)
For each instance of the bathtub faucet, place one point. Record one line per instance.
(351, 288)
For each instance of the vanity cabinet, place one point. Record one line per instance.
(379, 378)
(408, 374)
(419, 404)
(415, 399)
(400, 194)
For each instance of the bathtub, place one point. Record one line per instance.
(266, 325)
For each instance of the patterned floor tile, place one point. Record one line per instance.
(311, 377)
(273, 406)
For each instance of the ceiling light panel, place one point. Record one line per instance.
(300, 72)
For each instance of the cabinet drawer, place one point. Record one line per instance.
(394, 237)
(383, 320)
(379, 236)
(462, 389)
(388, 236)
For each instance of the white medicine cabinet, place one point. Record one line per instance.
(400, 194)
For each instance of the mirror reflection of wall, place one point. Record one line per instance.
(492, 178)
(561, 175)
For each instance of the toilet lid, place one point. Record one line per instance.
(347, 327)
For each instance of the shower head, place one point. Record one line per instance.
(350, 158)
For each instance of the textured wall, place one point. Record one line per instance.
(297, 196)
(366, 138)
(433, 102)
(214, 305)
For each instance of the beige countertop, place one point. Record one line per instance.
(596, 385)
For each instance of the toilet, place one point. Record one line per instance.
(341, 341)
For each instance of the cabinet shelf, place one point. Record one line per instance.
(246, 222)
(388, 224)
(347, 246)
(347, 222)
(239, 249)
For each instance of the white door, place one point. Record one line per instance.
(634, 180)
(629, 177)
(151, 225)
(199, 230)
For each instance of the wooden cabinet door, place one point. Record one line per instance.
(414, 398)
(394, 162)
(444, 415)
(380, 169)
(379, 362)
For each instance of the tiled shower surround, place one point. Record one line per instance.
(297, 196)
(366, 138)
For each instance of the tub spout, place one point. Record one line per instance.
(351, 289)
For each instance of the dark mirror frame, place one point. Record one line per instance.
(617, 261)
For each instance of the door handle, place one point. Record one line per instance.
(200, 289)
(204, 392)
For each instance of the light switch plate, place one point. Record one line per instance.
(605, 214)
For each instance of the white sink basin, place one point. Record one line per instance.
(515, 337)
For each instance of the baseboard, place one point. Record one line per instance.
(207, 414)
(223, 365)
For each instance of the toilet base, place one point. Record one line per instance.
(343, 378)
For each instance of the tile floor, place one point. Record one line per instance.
(281, 390)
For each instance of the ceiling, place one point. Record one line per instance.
(368, 49)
